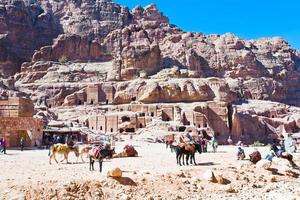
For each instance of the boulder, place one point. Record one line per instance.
(209, 176)
(115, 173)
(263, 164)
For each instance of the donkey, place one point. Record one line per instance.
(189, 150)
(99, 154)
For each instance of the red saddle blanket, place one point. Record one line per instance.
(95, 151)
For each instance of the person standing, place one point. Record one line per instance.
(241, 154)
(4, 145)
(229, 140)
(1, 144)
(214, 144)
(22, 142)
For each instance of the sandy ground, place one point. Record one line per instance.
(152, 175)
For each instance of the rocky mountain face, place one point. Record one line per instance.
(24, 27)
(54, 49)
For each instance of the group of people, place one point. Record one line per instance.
(3, 144)
(275, 151)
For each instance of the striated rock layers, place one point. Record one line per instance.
(24, 27)
(61, 53)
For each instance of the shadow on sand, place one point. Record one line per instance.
(207, 164)
(126, 181)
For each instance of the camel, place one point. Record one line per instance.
(189, 150)
(62, 149)
(99, 154)
(128, 151)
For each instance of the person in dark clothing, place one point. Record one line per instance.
(22, 143)
(1, 145)
(4, 145)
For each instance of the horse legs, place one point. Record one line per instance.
(182, 155)
(177, 156)
(81, 155)
(54, 157)
(66, 157)
(187, 159)
(91, 163)
(50, 158)
(100, 164)
(193, 159)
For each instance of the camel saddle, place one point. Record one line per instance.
(130, 151)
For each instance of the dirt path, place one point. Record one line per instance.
(155, 171)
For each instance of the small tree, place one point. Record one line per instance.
(63, 59)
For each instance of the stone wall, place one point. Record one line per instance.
(100, 94)
(13, 128)
(16, 107)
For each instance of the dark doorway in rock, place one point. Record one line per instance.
(141, 125)
(111, 130)
(230, 115)
(106, 101)
(125, 119)
(130, 130)
(133, 99)
(92, 102)
(152, 114)
(181, 128)
(79, 102)
(121, 130)
(100, 128)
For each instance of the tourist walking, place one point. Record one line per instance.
(214, 144)
(0, 144)
(3, 145)
(22, 143)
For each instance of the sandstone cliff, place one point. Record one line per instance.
(55, 50)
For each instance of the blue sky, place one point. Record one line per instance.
(248, 19)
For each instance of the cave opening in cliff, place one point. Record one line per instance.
(133, 99)
(125, 119)
(79, 102)
(181, 128)
(229, 116)
(92, 102)
(106, 101)
(141, 125)
(130, 130)
(152, 114)
(111, 130)
(100, 128)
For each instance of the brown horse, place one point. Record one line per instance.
(62, 149)
(189, 150)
